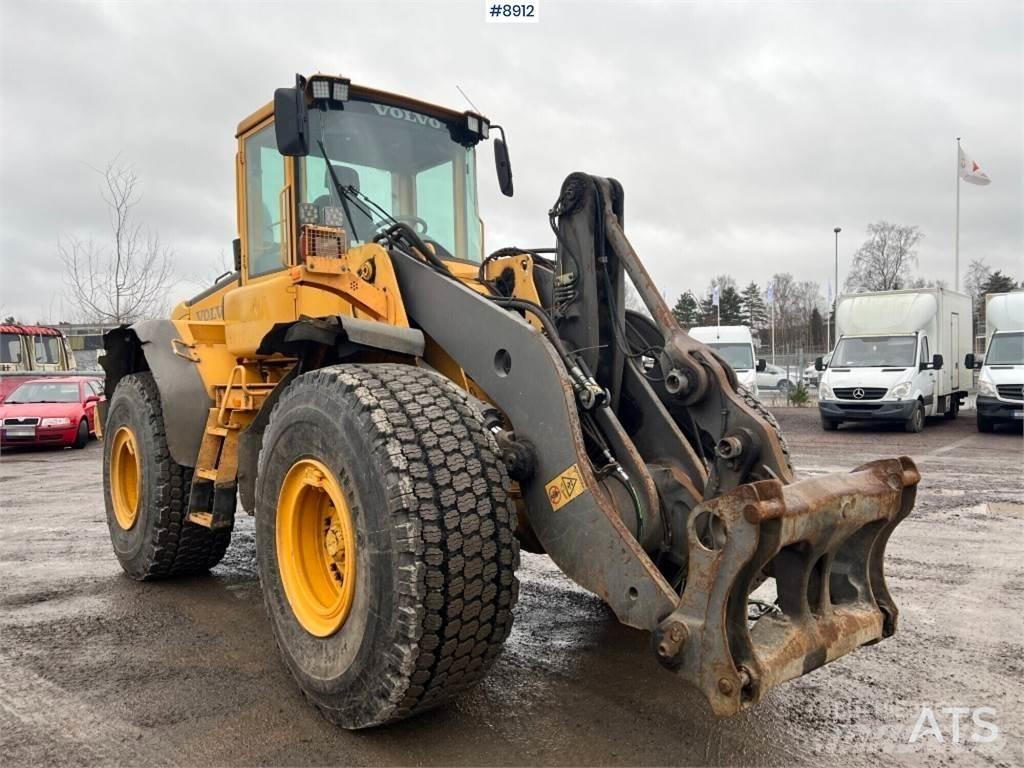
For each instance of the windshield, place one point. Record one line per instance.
(45, 392)
(739, 356)
(1006, 349)
(875, 352)
(10, 348)
(406, 162)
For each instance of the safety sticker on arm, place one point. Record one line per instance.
(564, 488)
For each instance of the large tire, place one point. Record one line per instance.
(829, 425)
(426, 500)
(916, 421)
(156, 541)
(985, 425)
(764, 413)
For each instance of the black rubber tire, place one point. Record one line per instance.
(764, 413)
(829, 425)
(436, 556)
(985, 425)
(954, 408)
(82, 438)
(784, 385)
(916, 421)
(161, 543)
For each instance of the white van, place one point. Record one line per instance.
(1001, 381)
(897, 358)
(735, 344)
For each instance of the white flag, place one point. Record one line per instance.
(970, 171)
(830, 292)
(714, 297)
(770, 293)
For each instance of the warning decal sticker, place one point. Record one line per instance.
(564, 488)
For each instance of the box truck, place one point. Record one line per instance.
(735, 344)
(1001, 377)
(897, 359)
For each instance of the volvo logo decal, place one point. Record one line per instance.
(858, 394)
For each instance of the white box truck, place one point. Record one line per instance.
(897, 359)
(735, 344)
(1001, 379)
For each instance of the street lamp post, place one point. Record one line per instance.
(835, 293)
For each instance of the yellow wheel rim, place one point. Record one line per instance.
(316, 548)
(125, 478)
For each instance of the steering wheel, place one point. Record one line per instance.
(419, 225)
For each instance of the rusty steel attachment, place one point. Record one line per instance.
(823, 542)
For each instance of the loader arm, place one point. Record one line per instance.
(654, 481)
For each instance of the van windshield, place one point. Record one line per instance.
(875, 352)
(1006, 349)
(740, 357)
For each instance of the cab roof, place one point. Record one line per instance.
(29, 330)
(362, 92)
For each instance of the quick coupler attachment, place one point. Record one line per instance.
(822, 541)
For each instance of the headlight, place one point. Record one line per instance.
(59, 421)
(987, 388)
(901, 390)
(825, 392)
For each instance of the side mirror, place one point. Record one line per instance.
(969, 362)
(761, 364)
(503, 167)
(92, 399)
(819, 364)
(937, 362)
(291, 122)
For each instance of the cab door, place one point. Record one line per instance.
(926, 378)
(265, 210)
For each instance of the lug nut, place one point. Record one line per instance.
(725, 686)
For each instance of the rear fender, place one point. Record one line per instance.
(147, 346)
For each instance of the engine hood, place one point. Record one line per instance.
(866, 377)
(1004, 374)
(42, 410)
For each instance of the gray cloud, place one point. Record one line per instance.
(742, 132)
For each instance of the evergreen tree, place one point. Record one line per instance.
(997, 282)
(817, 329)
(755, 312)
(687, 311)
(732, 307)
(729, 310)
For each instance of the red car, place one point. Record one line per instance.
(51, 411)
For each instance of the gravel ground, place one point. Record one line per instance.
(98, 670)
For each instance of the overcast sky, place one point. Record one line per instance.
(742, 132)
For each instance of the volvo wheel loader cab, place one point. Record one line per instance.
(401, 414)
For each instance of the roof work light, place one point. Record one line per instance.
(326, 88)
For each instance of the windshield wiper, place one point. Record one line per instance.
(368, 206)
(343, 193)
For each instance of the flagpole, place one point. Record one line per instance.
(956, 263)
(773, 328)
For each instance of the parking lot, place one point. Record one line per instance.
(96, 669)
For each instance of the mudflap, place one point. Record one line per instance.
(823, 542)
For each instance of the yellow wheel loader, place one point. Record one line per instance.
(401, 414)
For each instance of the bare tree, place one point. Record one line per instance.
(976, 275)
(884, 261)
(127, 279)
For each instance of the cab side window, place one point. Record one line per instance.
(47, 350)
(264, 180)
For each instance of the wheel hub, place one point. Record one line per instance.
(125, 478)
(316, 548)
